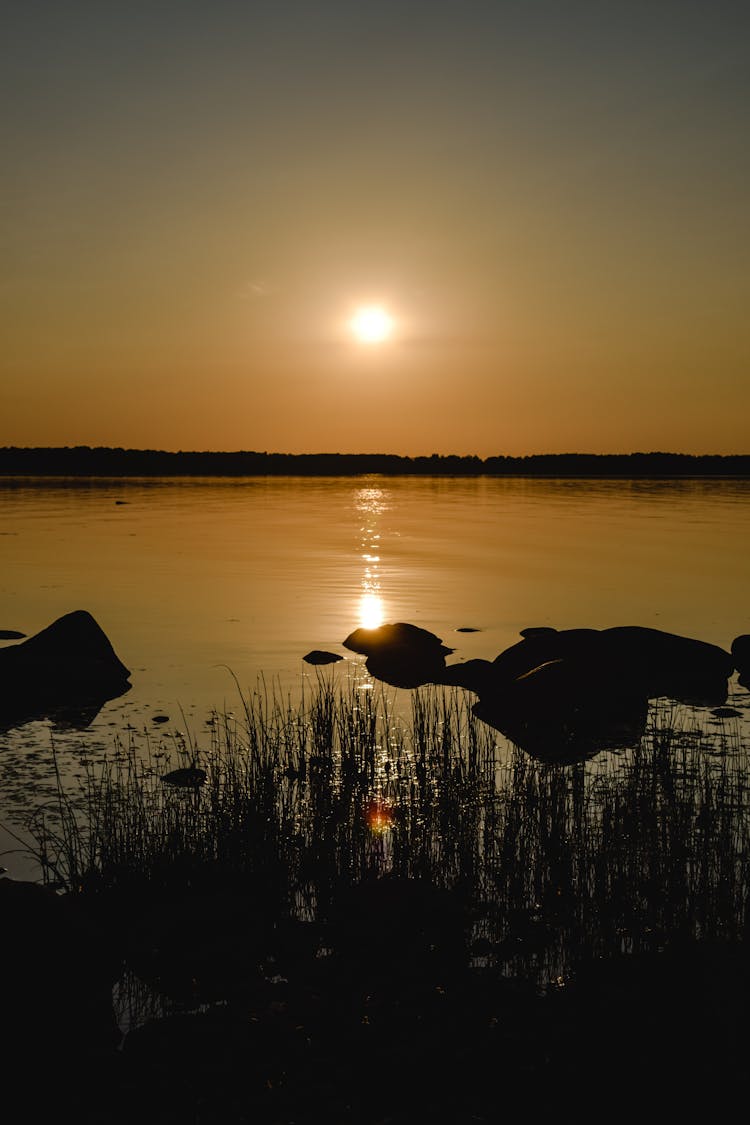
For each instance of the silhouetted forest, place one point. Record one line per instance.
(85, 461)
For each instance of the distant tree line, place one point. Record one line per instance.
(85, 461)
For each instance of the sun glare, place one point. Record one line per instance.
(371, 324)
(371, 610)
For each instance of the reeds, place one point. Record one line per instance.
(551, 864)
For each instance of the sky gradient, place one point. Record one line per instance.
(550, 199)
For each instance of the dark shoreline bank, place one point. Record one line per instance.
(427, 986)
(85, 461)
(376, 1033)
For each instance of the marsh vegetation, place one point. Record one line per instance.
(335, 910)
(294, 803)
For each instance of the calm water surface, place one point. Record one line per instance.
(190, 578)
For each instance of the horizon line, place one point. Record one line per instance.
(50, 449)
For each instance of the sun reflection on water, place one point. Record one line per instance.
(370, 504)
(371, 612)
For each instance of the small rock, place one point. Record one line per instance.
(319, 656)
(468, 629)
(11, 635)
(160, 719)
(188, 778)
(726, 713)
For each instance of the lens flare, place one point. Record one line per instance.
(379, 816)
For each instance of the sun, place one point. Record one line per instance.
(371, 324)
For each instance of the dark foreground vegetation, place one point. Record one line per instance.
(84, 461)
(325, 913)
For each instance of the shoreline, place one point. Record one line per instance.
(85, 462)
(484, 939)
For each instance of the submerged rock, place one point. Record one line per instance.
(70, 667)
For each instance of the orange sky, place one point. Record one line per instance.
(550, 199)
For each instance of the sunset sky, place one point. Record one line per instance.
(546, 201)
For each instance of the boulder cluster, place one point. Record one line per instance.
(565, 694)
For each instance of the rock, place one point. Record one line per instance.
(160, 719)
(401, 654)
(741, 657)
(685, 669)
(726, 713)
(400, 635)
(645, 661)
(561, 712)
(562, 695)
(542, 645)
(11, 635)
(473, 675)
(190, 777)
(70, 666)
(319, 656)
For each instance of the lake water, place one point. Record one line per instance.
(192, 578)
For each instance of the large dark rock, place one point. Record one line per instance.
(642, 661)
(473, 675)
(660, 663)
(542, 645)
(562, 712)
(741, 657)
(400, 654)
(66, 671)
(564, 696)
(561, 695)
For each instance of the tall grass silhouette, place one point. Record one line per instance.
(550, 864)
